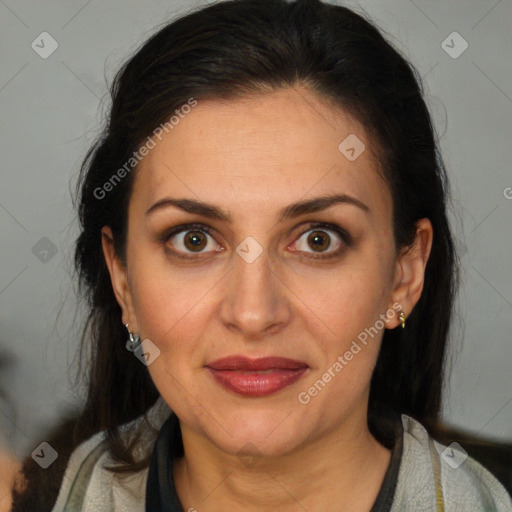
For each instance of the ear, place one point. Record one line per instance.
(119, 277)
(410, 272)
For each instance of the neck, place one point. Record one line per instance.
(340, 469)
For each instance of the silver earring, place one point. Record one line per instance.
(133, 340)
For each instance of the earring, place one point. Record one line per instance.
(133, 340)
(402, 319)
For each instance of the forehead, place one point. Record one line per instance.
(261, 153)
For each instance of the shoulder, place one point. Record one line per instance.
(88, 486)
(431, 471)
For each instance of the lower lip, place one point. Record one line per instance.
(252, 383)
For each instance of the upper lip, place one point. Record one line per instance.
(263, 363)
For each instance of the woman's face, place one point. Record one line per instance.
(262, 284)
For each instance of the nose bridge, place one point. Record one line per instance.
(255, 300)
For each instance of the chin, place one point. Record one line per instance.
(267, 433)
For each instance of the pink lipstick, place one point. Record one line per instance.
(256, 377)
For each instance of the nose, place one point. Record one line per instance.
(255, 298)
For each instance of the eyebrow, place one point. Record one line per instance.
(289, 212)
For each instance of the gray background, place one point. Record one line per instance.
(51, 109)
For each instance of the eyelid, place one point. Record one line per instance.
(194, 226)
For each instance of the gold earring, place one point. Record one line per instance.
(402, 319)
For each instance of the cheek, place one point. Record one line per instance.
(348, 302)
(172, 303)
(171, 306)
(349, 308)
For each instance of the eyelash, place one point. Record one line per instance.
(345, 237)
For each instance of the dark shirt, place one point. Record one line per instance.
(161, 494)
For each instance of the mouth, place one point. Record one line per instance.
(256, 377)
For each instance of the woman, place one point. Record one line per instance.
(270, 274)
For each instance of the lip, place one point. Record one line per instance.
(256, 377)
(260, 364)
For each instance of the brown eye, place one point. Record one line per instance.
(195, 240)
(184, 241)
(321, 237)
(319, 241)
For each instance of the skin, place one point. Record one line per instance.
(9, 476)
(251, 157)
